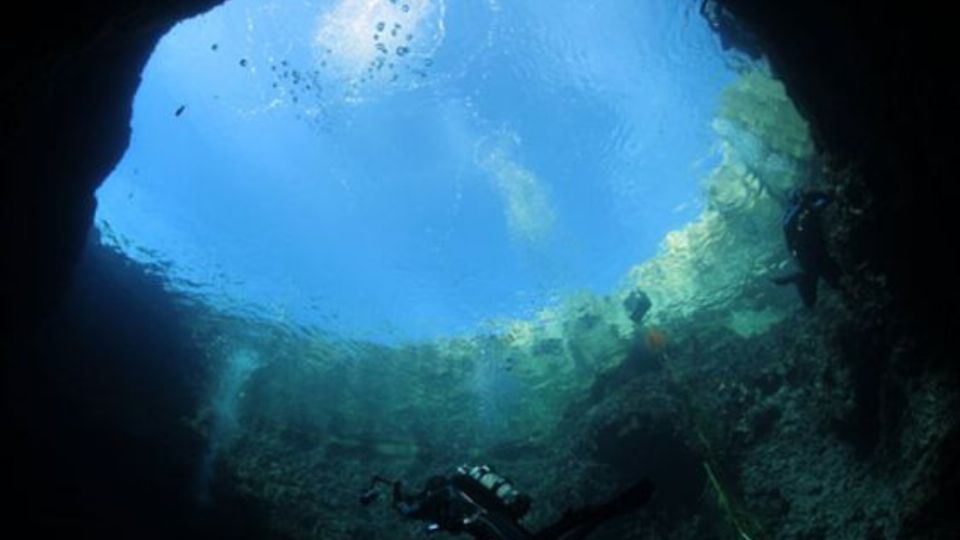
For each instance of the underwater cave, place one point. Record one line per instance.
(258, 253)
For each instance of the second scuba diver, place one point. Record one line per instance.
(805, 241)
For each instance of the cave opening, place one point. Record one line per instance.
(397, 170)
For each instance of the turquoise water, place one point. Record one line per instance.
(391, 174)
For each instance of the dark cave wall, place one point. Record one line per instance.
(70, 75)
(94, 441)
(95, 408)
(876, 81)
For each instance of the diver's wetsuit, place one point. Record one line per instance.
(805, 240)
(460, 504)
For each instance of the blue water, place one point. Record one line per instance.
(390, 173)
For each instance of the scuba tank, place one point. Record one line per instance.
(516, 503)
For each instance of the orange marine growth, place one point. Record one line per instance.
(656, 340)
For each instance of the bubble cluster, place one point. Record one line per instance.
(370, 43)
(360, 49)
(296, 82)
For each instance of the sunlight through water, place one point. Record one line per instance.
(406, 169)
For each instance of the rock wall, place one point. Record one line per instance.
(70, 74)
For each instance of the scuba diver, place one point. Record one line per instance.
(481, 503)
(805, 241)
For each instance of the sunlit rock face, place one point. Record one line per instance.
(713, 262)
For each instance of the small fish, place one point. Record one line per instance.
(243, 62)
(180, 110)
(214, 47)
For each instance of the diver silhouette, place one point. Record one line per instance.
(481, 503)
(804, 236)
